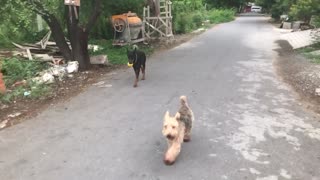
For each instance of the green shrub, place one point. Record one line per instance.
(198, 19)
(221, 15)
(186, 22)
(15, 69)
(183, 23)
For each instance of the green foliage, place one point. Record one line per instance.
(183, 23)
(16, 22)
(266, 4)
(226, 3)
(308, 49)
(297, 9)
(221, 15)
(307, 52)
(187, 15)
(281, 7)
(15, 70)
(187, 5)
(304, 9)
(198, 19)
(314, 58)
(316, 21)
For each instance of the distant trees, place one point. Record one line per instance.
(296, 9)
(226, 3)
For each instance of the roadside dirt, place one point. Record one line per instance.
(302, 75)
(23, 109)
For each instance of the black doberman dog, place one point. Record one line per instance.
(137, 60)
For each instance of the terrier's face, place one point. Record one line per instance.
(170, 128)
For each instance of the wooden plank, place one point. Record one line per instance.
(164, 23)
(155, 18)
(29, 54)
(24, 47)
(138, 40)
(155, 29)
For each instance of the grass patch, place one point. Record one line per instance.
(15, 70)
(116, 55)
(308, 49)
(28, 91)
(314, 58)
(307, 52)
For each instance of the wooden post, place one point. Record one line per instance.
(166, 9)
(170, 15)
(148, 15)
(144, 23)
(160, 25)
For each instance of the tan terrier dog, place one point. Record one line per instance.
(177, 129)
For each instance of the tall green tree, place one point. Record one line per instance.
(266, 4)
(305, 9)
(226, 3)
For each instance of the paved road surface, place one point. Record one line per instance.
(248, 124)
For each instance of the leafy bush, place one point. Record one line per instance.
(304, 9)
(198, 19)
(183, 23)
(221, 15)
(316, 21)
(187, 15)
(15, 69)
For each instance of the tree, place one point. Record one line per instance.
(276, 7)
(226, 3)
(305, 9)
(266, 4)
(16, 21)
(78, 33)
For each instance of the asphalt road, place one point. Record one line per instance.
(248, 124)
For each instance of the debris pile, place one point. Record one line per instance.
(57, 71)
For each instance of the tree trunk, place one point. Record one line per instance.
(79, 35)
(80, 48)
(78, 38)
(58, 36)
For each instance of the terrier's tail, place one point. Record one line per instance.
(183, 100)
